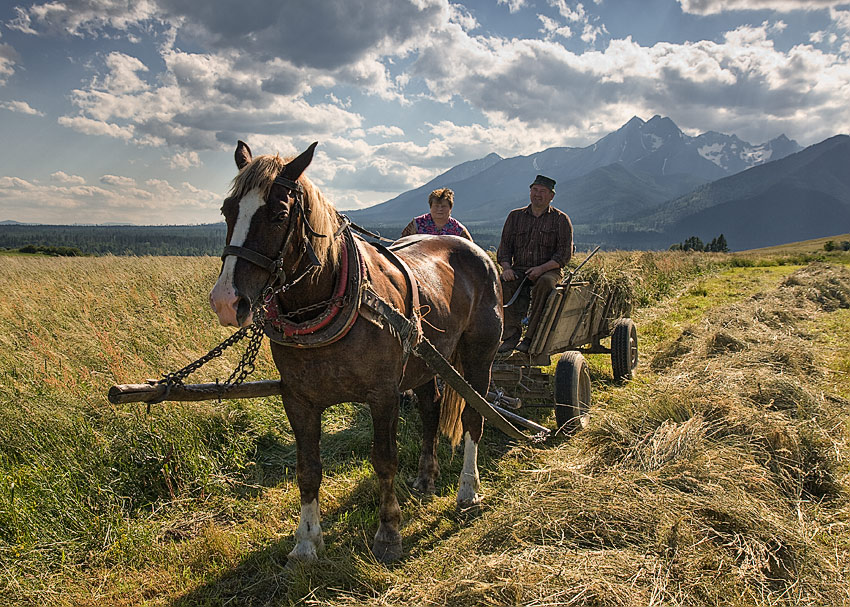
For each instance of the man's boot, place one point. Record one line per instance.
(525, 344)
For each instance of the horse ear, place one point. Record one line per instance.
(296, 167)
(242, 155)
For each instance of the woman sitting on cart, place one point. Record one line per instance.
(439, 221)
(537, 241)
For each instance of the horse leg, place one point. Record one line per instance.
(387, 544)
(429, 411)
(478, 376)
(306, 425)
(467, 491)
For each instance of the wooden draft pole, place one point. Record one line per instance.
(152, 391)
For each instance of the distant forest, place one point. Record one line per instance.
(205, 239)
(119, 240)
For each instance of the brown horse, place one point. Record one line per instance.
(289, 256)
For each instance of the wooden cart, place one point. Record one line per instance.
(575, 321)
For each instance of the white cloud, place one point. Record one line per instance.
(63, 177)
(461, 16)
(199, 102)
(20, 107)
(513, 5)
(577, 15)
(8, 59)
(742, 82)
(386, 131)
(157, 202)
(713, 7)
(95, 127)
(553, 28)
(841, 18)
(591, 32)
(82, 17)
(123, 74)
(118, 181)
(185, 160)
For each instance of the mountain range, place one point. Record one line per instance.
(648, 183)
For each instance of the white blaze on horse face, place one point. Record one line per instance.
(223, 297)
(467, 491)
(308, 536)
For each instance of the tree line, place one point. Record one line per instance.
(205, 239)
(694, 243)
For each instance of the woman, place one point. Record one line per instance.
(439, 221)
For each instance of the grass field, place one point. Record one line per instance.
(717, 477)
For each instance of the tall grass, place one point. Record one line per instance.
(77, 471)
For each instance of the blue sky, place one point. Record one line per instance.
(129, 110)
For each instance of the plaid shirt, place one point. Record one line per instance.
(529, 241)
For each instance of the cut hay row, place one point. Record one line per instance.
(719, 480)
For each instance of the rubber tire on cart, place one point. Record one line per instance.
(624, 349)
(572, 392)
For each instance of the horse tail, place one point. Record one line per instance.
(451, 409)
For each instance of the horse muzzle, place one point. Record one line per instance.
(232, 309)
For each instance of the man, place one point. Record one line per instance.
(537, 241)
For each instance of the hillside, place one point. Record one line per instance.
(819, 170)
(803, 247)
(717, 477)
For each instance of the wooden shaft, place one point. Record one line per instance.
(441, 367)
(542, 431)
(142, 393)
(516, 403)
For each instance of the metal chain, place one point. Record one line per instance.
(243, 369)
(341, 301)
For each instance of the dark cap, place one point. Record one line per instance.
(544, 181)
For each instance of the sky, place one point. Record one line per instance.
(129, 111)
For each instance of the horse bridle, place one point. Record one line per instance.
(275, 267)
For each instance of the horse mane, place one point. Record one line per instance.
(324, 219)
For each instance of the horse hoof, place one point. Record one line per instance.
(303, 553)
(473, 504)
(425, 486)
(387, 552)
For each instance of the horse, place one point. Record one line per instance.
(292, 258)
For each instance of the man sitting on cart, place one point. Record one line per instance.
(537, 241)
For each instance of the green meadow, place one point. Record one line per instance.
(718, 476)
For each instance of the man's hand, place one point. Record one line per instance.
(535, 272)
(538, 271)
(508, 274)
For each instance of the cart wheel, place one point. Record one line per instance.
(572, 391)
(624, 349)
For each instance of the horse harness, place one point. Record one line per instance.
(352, 297)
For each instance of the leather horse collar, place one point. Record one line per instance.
(339, 313)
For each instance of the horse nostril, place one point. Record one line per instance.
(243, 309)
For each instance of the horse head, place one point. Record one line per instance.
(266, 216)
